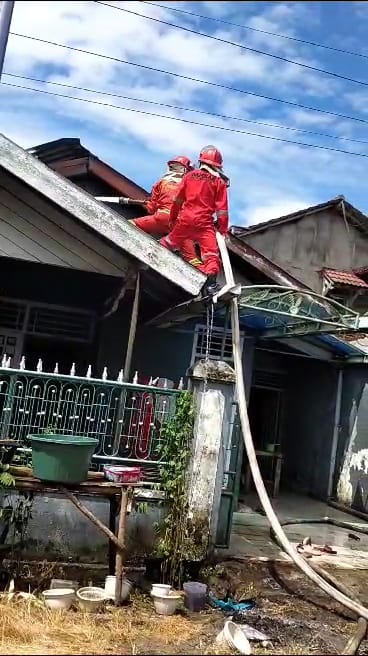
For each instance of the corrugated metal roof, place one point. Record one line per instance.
(348, 278)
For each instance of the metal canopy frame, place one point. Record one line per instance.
(278, 311)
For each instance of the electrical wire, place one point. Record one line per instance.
(255, 29)
(187, 109)
(183, 120)
(263, 53)
(217, 85)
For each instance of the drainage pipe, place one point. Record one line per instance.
(253, 463)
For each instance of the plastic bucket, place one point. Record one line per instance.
(195, 596)
(62, 458)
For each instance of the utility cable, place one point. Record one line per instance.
(187, 109)
(255, 29)
(263, 53)
(183, 120)
(217, 85)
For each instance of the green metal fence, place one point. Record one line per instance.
(125, 418)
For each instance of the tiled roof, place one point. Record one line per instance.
(344, 278)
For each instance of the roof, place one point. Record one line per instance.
(348, 278)
(97, 217)
(70, 158)
(342, 206)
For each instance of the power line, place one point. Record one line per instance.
(255, 29)
(183, 120)
(238, 45)
(217, 85)
(188, 109)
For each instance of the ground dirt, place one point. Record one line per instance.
(297, 618)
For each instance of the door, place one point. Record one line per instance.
(232, 457)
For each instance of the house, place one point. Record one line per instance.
(324, 246)
(75, 272)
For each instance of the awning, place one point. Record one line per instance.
(274, 312)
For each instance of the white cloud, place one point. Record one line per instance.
(274, 210)
(268, 177)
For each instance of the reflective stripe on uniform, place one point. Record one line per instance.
(208, 254)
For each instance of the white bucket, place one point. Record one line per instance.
(160, 589)
(110, 583)
(234, 637)
(166, 604)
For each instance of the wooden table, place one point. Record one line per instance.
(119, 496)
(276, 456)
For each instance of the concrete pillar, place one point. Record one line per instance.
(212, 384)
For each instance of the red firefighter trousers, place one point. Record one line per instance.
(157, 224)
(204, 235)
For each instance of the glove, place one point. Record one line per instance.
(124, 201)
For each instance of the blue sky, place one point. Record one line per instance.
(268, 178)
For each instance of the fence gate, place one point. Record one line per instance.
(232, 458)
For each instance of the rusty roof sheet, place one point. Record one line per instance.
(344, 278)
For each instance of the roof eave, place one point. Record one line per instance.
(96, 216)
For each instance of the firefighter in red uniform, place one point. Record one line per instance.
(157, 222)
(202, 195)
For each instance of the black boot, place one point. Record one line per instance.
(210, 287)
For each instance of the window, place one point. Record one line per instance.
(220, 345)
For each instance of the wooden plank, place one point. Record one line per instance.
(109, 260)
(28, 238)
(10, 249)
(92, 488)
(41, 231)
(121, 541)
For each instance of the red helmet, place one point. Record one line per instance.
(210, 155)
(181, 159)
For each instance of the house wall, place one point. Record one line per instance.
(165, 353)
(351, 474)
(32, 229)
(305, 246)
(58, 530)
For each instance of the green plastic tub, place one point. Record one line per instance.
(61, 458)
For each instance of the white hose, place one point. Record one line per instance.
(253, 463)
(260, 487)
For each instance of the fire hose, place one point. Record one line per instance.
(120, 200)
(300, 562)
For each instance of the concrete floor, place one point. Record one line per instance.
(251, 537)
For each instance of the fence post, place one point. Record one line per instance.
(212, 384)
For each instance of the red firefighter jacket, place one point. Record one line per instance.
(200, 197)
(163, 194)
